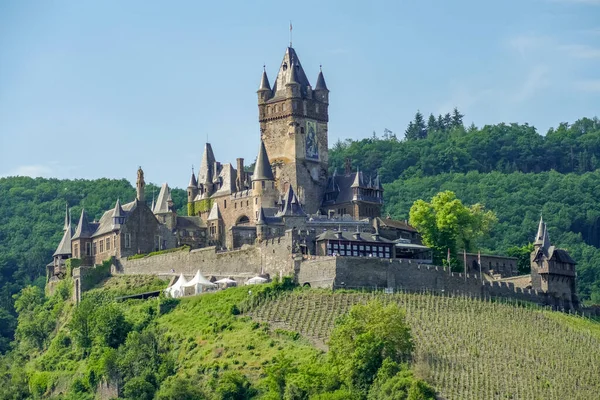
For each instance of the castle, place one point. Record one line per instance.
(288, 216)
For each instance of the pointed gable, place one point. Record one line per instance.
(285, 74)
(291, 205)
(215, 213)
(321, 85)
(64, 247)
(162, 203)
(206, 172)
(84, 228)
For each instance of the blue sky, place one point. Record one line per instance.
(92, 89)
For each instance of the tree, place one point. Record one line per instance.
(364, 338)
(446, 223)
(457, 118)
(522, 254)
(431, 124)
(416, 129)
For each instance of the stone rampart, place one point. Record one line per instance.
(360, 272)
(271, 257)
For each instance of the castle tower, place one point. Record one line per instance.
(192, 189)
(263, 183)
(293, 122)
(140, 184)
(63, 251)
(552, 269)
(163, 210)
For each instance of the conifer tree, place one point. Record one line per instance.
(431, 123)
(457, 118)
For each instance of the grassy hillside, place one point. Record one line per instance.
(469, 349)
(269, 343)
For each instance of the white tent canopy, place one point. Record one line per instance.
(225, 280)
(176, 290)
(198, 282)
(255, 280)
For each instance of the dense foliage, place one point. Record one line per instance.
(445, 224)
(444, 147)
(32, 213)
(198, 348)
(509, 168)
(466, 348)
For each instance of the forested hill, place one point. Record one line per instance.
(32, 213)
(510, 168)
(444, 145)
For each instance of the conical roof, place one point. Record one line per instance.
(205, 173)
(546, 240)
(262, 168)
(378, 184)
(264, 82)
(539, 237)
(64, 247)
(193, 181)
(321, 85)
(118, 210)
(84, 229)
(358, 181)
(293, 75)
(162, 203)
(215, 213)
(261, 217)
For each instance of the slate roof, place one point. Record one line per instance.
(264, 82)
(291, 205)
(215, 213)
(105, 224)
(341, 187)
(190, 223)
(262, 168)
(285, 74)
(64, 247)
(85, 229)
(162, 203)
(364, 237)
(193, 182)
(206, 173)
(392, 223)
(321, 85)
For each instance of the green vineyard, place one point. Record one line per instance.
(467, 348)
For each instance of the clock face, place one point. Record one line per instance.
(312, 145)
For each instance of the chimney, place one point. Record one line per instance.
(240, 174)
(356, 234)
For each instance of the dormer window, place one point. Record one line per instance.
(285, 66)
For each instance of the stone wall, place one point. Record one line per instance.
(271, 257)
(354, 272)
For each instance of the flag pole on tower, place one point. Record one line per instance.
(290, 33)
(465, 261)
(448, 261)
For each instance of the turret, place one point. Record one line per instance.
(264, 90)
(207, 171)
(263, 182)
(118, 216)
(539, 237)
(321, 92)
(293, 86)
(192, 189)
(140, 184)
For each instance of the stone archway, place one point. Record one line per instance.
(243, 220)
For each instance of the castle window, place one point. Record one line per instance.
(107, 244)
(224, 203)
(127, 240)
(94, 249)
(247, 203)
(88, 249)
(102, 246)
(76, 250)
(115, 242)
(263, 184)
(272, 185)
(235, 205)
(256, 200)
(302, 130)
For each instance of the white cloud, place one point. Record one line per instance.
(591, 85)
(33, 171)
